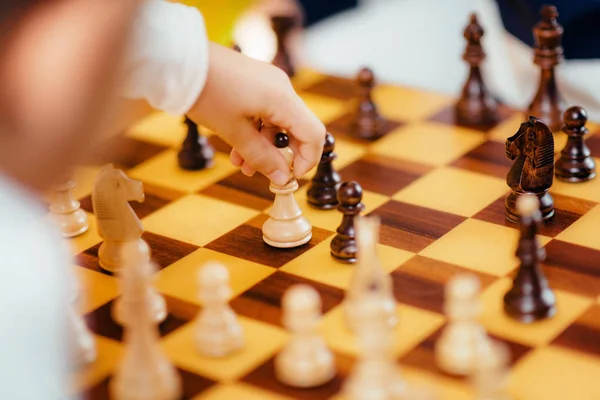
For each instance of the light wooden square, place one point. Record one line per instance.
(96, 289)
(197, 219)
(507, 128)
(306, 77)
(318, 264)
(108, 358)
(163, 171)
(261, 342)
(453, 190)
(330, 219)
(480, 246)
(160, 128)
(555, 373)
(180, 278)
(584, 231)
(405, 104)
(238, 391)
(568, 308)
(327, 109)
(415, 324)
(429, 143)
(586, 190)
(87, 239)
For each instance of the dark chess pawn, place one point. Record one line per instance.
(282, 27)
(548, 104)
(368, 123)
(532, 148)
(475, 107)
(530, 298)
(343, 245)
(196, 153)
(322, 192)
(576, 163)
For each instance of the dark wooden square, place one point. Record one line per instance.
(423, 356)
(344, 127)
(567, 210)
(382, 174)
(246, 242)
(583, 335)
(100, 321)
(192, 385)
(150, 204)
(263, 300)
(573, 268)
(332, 86)
(421, 282)
(448, 116)
(164, 251)
(264, 378)
(489, 158)
(410, 227)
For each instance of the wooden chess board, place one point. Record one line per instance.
(439, 190)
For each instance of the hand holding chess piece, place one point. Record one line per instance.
(286, 226)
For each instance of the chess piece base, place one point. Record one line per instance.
(322, 197)
(286, 245)
(194, 162)
(353, 321)
(307, 374)
(527, 308)
(73, 223)
(575, 171)
(158, 309)
(343, 249)
(109, 254)
(473, 113)
(287, 233)
(220, 342)
(369, 128)
(546, 206)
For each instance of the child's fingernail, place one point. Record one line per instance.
(278, 178)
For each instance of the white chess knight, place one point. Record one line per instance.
(144, 372)
(464, 339)
(306, 361)
(116, 220)
(369, 279)
(218, 331)
(286, 226)
(66, 212)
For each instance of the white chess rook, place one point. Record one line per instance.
(66, 212)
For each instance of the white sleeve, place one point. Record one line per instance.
(167, 58)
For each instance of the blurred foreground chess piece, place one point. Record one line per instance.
(144, 371)
(490, 374)
(66, 211)
(532, 148)
(463, 339)
(548, 104)
(283, 25)
(218, 331)
(196, 153)
(476, 107)
(81, 340)
(576, 163)
(369, 278)
(343, 245)
(530, 298)
(117, 223)
(305, 361)
(367, 124)
(286, 226)
(322, 191)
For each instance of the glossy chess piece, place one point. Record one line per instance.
(322, 192)
(576, 163)
(368, 124)
(66, 211)
(196, 153)
(343, 246)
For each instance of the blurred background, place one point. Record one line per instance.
(419, 43)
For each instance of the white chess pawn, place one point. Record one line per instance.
(157, 305)
(464, 338)
(66, 211)
(144, 372)
(369, 277)
(491, 373)
(375, 375)
(218, 331)
(286, 226)
(306, 361)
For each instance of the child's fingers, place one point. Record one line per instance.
(247, 169)
(235, 158)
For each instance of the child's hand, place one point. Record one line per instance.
(240, 91)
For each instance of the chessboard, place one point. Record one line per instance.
(438, 189)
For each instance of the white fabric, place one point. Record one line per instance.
(420, 44)
(34, 293)
(167, 61)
